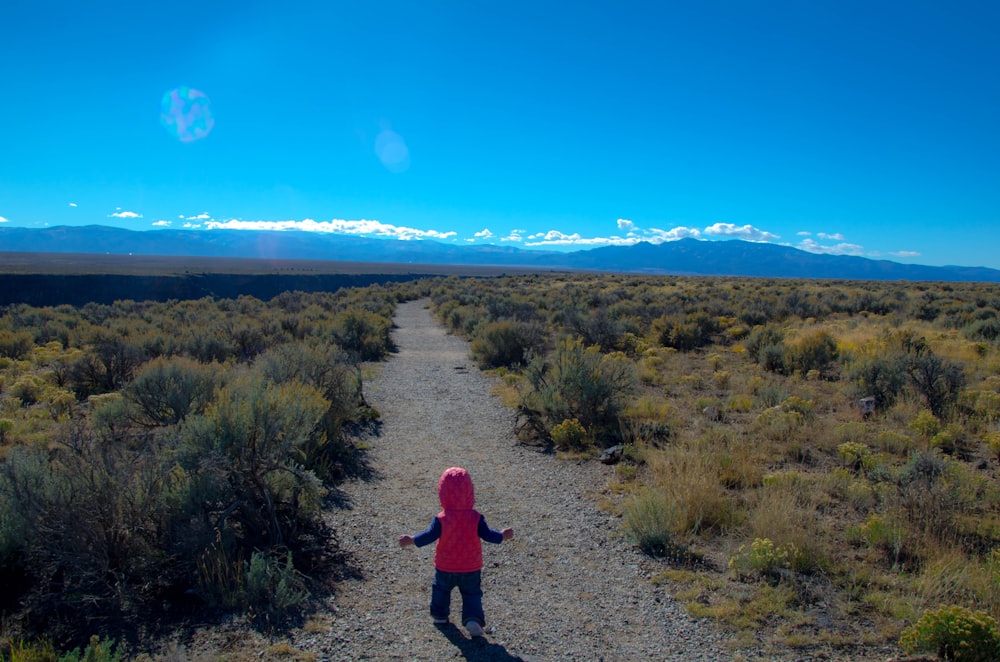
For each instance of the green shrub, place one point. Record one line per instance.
(98, 650)
(894, 442)
(274, 587)
(28, 389)
(954, 633)
(740, 403)
(111, 417)
(569, 435)
(15, 345)
(363, 334)
(247, 450)
(853, 454)
(884, 535)
(984, 329)
(882, 376)
(107, 366)
(772, 358)
(761, 337)
(649, 520)
(220, 575)
(42, 650)
(92, 518)
(984, 404)
(931, 499)
(925, 425)
(330, 371)
(992, 441)
(804, 407)
(267, 585)
(776, 424)
(721, 379)
(686, 332)
(813, 352)
(771, 395)
(598, 328)
(506, 344)
(763, 557)
(938, 380)
(166, 391)
(580, 383)
(953, 440)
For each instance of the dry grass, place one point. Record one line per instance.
(283, 650)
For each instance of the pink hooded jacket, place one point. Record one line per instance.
(459, 548)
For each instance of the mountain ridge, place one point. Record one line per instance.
(683, 257)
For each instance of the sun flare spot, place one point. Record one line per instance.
(186, 114)
(392, 151)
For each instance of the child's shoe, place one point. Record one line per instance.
(474, 628)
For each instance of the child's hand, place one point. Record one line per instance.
(507, 534)
(405, 541)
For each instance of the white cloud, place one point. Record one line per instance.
(747, 232)
(515, 235)
(836, 236)
(192, 226)
(335, 226)
(658, 236)
(2, 219)
(634, 236)
(556, 238)
(812, 246)
(72, 204)
(803, 234)
(125, 214)
(905, 254)
(203, 216)
(484, 234)
(161, 223)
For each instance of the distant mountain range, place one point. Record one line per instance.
(683, 257)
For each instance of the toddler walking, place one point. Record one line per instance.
(458, 557)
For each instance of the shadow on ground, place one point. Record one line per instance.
(477, 649)
(355, 464)
(338, 563)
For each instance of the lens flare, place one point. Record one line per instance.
(392, 151)
(186, 114)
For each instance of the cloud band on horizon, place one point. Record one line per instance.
(631, 234)
(341, 226)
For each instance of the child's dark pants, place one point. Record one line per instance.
(468, 584)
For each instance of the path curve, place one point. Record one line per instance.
(567, 587)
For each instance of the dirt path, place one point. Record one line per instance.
(567, 587)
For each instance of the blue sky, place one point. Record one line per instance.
(863, 128)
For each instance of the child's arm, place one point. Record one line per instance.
(489, 535)
(432, 533)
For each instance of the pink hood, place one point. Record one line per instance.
(455, 490)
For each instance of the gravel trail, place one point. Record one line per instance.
(567, 587)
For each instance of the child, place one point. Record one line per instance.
(458, 557)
